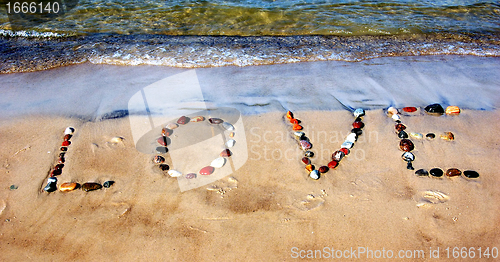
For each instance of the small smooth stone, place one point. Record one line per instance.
(357, 131)
(314, 174)
(172, 126)
(402, 134)
(183, 120)
(230, 143)
(400, 127)
(294, 121)
(406, 145)
(359, 112)
(409, 166)
(409, 109)
(333, 164)
(447, 136)
(434, 109)
(166, 132)
(228, 126)
(358, 124)
(421, 172)
(392, 111)
(174, 173)
(161, 150)
(117, 139)
(289, 115)
(408, 157)
(67, 137)
(164, 167)
(306, 160)
(208, 170)
(215, 121)
(351, 137)
(66, 143)
(453, 172)
(323, 169)
(231, 134)
(396, 117)
(69, 130)
(430, 136)
(299, 135)
(471, 174)
(164, 141)
(436, 172)
(310, 168)
(91, 186)
(158, 159)
(55, 172)
(226, 153)
(338, 155)
(218, 162)
(65, 187)
(417, 135)
(64, 149)
(197, 119)
(347, 144)
(58, 167)
(358, 119)
(51, 185)
(309, 154)
(190, 176)
(62, 154)
(13, 187)
(346, 151)
(452, 110)
(61, 160)
(305, 144)
(297, 127)
(107, 184)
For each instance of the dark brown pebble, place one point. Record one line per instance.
(436, 172)
(91, 186)
(453, 172)
(215, 121)
(430, 136)
(323, 169)
(406, 145)
(67, 137)
(471, 174)
(164, 167)
(400, 127)
(306, 160)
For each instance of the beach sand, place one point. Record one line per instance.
(268, 209)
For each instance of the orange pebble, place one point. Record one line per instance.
(289, 115)
(294, 121)
(309, 168)
(452, 110)
(297, 127)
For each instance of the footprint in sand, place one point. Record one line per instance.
(429, 198)
(311, 202)
(224, 185)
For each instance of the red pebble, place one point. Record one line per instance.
(66, 143)
(183, 120)
(226, 153)
(59, 167)
(323, 169)
(55, 172)
(166, 132)
(208, 170)
(306, 160)
(297, 127)
(358, 124)
(410, 109)
(61, 160)
(333, 164)
(294, 121)
(345, 151)
(162, 141)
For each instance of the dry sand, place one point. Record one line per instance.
(265, 208)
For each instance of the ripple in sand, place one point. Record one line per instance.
(311, 202)
(429, 198)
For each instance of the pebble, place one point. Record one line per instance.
(402, 134)
(392, 111)
(430, 136)
(228, 126)
(190, 176)
(306, 160)
(294, 121)
(453, 172)
(289, 115)
(172, 126)
(218, 162)
(67, 137)
(400, 127)
(62, 154)
(314, 174)
(333, 164)
(434, 109)
(55, 172)
(359, 112)
(166, 132)
(452, 110)
(357, 131)
(91, 186)
(421, 172)
(51, 185)
(226, 153)
(61, 160)
(174, 173)
(305, 144)
(338, 155)
(310, 168)
(158, 159)
(208, 170)
(58, 167)
(351, 137)
(163, 140)
(161, 150)
(69, 130)
(231, 134)
(408, 157)
(347, 144)
(64, 149)
(417, 135)
(197, 119)
(471, 174)
(117, 139)
(215, 121)
(436, 172)
(448, 136)
(230, 143)
(298, 135)
(396, 117)
(358, 124)
(164, 167)
(107, 184)
(309, 154)
(13, 187)
(406, 145)
(409, 109)
(346, 151)
(183, 120)
(323, 169)
(297, 127)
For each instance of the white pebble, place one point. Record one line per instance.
(392, 111)
(347, 144)
(359, 112)
(351, 137)
(174, 173)
(218, 162)
(228, 126)
(69, 130)
(396, 117)
(230, 143)
(314, 174)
